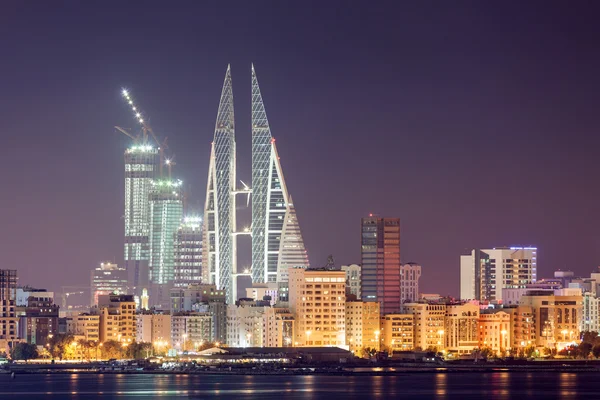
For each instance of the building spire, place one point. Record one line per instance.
(225, 117)
(260, 123)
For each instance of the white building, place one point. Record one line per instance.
(409, 282)
(278, 327)
(245, 323)
(353, 278)
(189, 330)
(591, 307)
(154, 328)
(486, 272)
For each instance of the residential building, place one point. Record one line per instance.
(486, 272)
(278, 327)
(187, 263)
(363, 328)
(107, 279)
(429, 324)
(25, 292)
(317, 301)
(461, 328)
(590, 321)
(141, 165)
(189, 330)
(258, 291)
(409, 282)
(87, 326)
(186, 299)
(353, 279)
(245, 326)
(380, 256)
(495, 331)
(117, 318)
(398, 332)
(522, 326)
(38, 321)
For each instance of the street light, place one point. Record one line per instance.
(308, 337)
(377, 338)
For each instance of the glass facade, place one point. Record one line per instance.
(188, 252)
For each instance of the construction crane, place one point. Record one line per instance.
(146, 129)
(169, 162)
(65, 294)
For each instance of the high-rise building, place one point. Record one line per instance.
(485, 272)
(277, 242)
(409, 282)
(8, 316)
(219, 247)
(318, 303)
(107, 279)
(353, 279)
(141, 163)
(166, 212)
(187, 268)
(380, 254)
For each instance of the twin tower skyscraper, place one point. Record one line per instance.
(277, 242)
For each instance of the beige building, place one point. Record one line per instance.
(87, 326)
(353, 279)
(363, 325)
(397, 331)
(190, 329)
(429, 324)
(317, 300)
(557, 318)
(154, 328)
(495, 331)
(461, 329)
(245, 323)
(117, 318)
(278, 327)
(409, 282)
(522, 326)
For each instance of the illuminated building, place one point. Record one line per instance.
(38, 320)
(318, 303)
(557, 316)
(380, 254)
(397, 331)
(87, 326)
(495, 331)
(219, 247)
(154, 328)
(166, 211)
(429, 324)
(117, 318)
(486, 272)
(363, 325)
(277, 242)
(245, 323)
(522, 326)
(258, 291)
(187, 267)
(8, 316)
(278, 327)
(141, 163)
(409, 282)
(190, 330)
(353, 279)
(107, 279)
(590, 321)
(185, 299)
(461, 331)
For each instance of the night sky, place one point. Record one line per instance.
(477, 125)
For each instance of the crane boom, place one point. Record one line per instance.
(125, 132)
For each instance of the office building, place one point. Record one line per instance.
(278, 327)
(353, 279)
(87, 326)
(25, 292)
(409, 282)
(317, 301)
(461, 328)
(429, 324)
(277, 242)
(107, 279)
(258, 291)
(486, 272)
(8, 316)
(187, 267)
(380, 255)
(189, 298)
(141, 163)
(495, 331)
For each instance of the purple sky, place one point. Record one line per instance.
(476, 125)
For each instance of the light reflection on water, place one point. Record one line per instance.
(439, 385)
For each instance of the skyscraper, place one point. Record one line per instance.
(107, 279)
(219, 250)
(277, 242)
(141, 163)
(166, 212)
(485, 272)
(380, 254)
(8, 316)
(188, 252)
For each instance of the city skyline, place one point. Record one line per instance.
(440, 136)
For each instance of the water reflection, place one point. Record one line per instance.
(440, 385)
(567, 383)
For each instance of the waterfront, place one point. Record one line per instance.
(449, 385)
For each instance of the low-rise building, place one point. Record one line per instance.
(495, 331)
(363, 328)
(154, 328)
(429, 324)
(87, 326)
(353, 279)
(278, 327)
(117, 318)
(190, 329)
(461, 328)
(397, 331)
